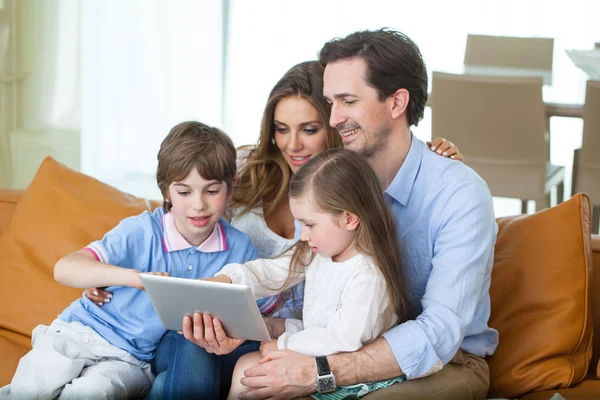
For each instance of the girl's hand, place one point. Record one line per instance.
(266, 347)
(208, 333)
(98, 296)
(445, 148)
(137, 283)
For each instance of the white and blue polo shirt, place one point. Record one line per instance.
(150, 242)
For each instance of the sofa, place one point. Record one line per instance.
(543, 292)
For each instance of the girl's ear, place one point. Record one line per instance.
(351, 220)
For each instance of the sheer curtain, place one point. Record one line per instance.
(146, 65)
(267, 37)
(8, 79)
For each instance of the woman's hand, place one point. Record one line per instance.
(98, 296)
(208, 333)
(445, 148)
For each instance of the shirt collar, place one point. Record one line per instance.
(174, 241)
(402, 184)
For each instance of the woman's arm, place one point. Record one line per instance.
(81, 270)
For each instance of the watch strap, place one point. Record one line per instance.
(322, 366)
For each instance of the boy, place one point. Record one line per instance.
(104, 352)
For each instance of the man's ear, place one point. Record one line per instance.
(351, 221)
(400, 101)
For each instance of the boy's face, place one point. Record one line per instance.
(197, 206)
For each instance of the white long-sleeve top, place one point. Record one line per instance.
(345, 304)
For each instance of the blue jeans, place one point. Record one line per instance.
(186, 371)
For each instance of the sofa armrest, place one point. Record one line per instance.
(8, 201)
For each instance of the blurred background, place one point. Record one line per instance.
(98, 84)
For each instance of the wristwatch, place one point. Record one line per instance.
(325, 378)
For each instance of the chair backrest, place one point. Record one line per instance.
(588, 171)
(510, 52)
(498, 123)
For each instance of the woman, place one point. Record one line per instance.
(295, 127)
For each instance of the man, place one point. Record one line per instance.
(376, 83)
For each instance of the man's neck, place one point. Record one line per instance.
(388, 160)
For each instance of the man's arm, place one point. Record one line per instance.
(463, 233)
(288, 374)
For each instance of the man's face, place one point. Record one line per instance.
(360, 117)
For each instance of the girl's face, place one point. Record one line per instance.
(332, 236)
(197, 206)
(299, 131)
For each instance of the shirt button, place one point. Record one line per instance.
(189, 267)
(193, 252)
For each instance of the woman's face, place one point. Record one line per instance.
(300, 134)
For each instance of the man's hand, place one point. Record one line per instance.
(285, 374)
(208, 333)
(268, 346)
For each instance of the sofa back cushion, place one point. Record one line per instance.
(8, 202)
(540, 300)
(595, 290)
(60, 212)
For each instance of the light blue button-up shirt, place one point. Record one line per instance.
(445, 221)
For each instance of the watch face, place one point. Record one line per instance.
(326, 383)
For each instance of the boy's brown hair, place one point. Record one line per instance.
(191, 145)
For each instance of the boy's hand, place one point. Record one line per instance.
(137, 283)
(208, 333)
(98, 296)
(266, 347)
(445, 148)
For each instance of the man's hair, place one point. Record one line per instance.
(393, 62)
(195, 145)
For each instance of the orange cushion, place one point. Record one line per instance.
(60, 212)
(540, 303)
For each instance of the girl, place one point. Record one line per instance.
(349, 258)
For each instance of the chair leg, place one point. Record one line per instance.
(524, 206)
(560, 193)
(596, 220)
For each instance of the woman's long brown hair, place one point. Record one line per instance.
(265, 176)
(341, 180)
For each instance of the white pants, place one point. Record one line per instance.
(71, 361)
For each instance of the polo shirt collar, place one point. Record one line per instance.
(402, 184)
(174, 241)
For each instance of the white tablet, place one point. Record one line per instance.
(233, 305)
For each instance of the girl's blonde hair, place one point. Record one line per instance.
(264, 178)
(341, 180)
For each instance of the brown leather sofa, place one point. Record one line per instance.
(543, 289)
